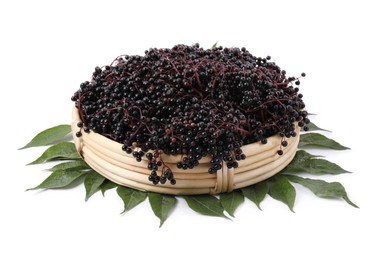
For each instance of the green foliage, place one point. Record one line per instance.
(130, 197)
(281, 189)
(256, 193)
(107, 185)
(161, 205)
(92, 183)
(206, 205)
(322, 188)
(314, 127)
(76, 164)
(306, 162)
(50, 136)
(60, 179)
(319, 140)
(73, 171)
(231, 200)
(60, 151)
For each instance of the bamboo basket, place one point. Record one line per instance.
(107, 158)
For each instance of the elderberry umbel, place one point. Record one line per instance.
(192, 102)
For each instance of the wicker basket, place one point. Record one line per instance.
(107, 158)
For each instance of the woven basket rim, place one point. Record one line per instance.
(107, 158)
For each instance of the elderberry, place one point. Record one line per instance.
(192, 102)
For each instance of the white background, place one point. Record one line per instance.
(48, 48)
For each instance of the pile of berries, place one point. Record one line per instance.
(192, 102)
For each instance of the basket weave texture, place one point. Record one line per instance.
(107, 158)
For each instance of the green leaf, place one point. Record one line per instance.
(130, 197)
(256, 193)
(345, 197)
(313, 127)
(49, 136)
(322, 188)
(161, 205)
(322, 166)
(76, 164)
(230, 201)
(63, 150)
(107, 185)
(280, 189)
(301, 157)
(214, 45)
(60, 179)
(206, 205)
(306, 162)
(315, 139)
(92, 183)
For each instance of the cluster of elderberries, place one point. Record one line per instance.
(192, 102)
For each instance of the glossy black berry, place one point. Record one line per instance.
(163, 180)
(149, 156)
(211, 170)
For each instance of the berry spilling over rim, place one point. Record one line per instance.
(187, 120)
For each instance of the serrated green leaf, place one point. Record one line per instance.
(63, 150)
(205, 205)
(130, 197)
(231, 200)
(280, 189)
(256, 193)
(315, 139)
(161, 205)
(322, 188)
(49, 136)
(60, 179)
(306, 162)
(92, 183)
(107, 185)
(314, 127)
(214, 45)
(76, 164)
